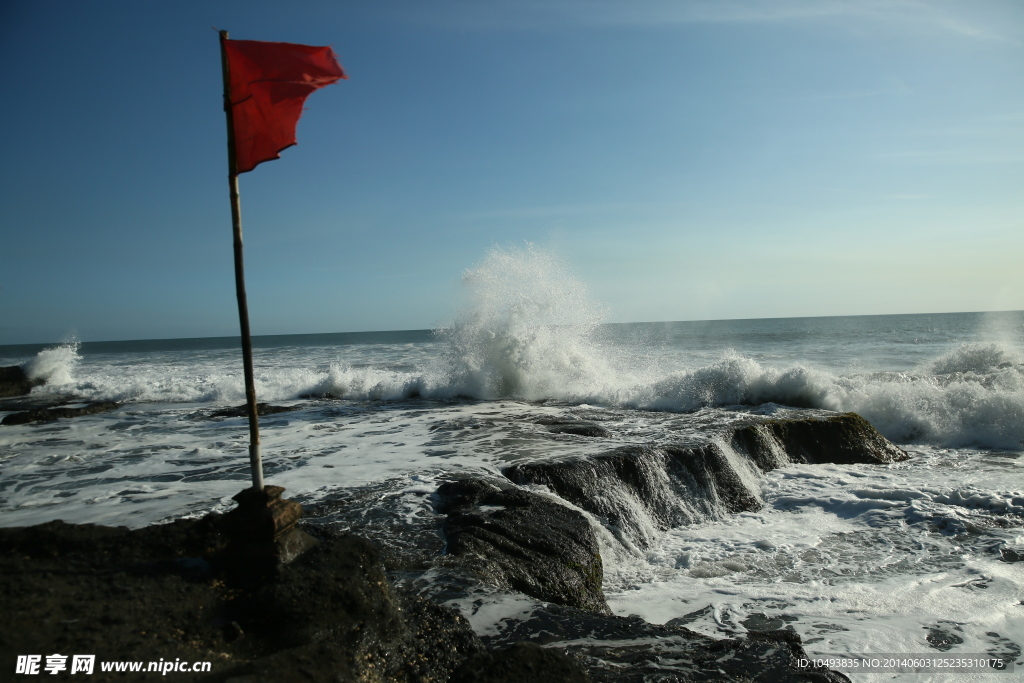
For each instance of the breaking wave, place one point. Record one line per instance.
(983, 406)
(529, 331)
(55, 365)
(526, 331)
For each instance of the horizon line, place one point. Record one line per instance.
(431, 329)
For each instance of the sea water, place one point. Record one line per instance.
(910, 557)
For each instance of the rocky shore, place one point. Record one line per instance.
(160, 594)
(171, 592)
(15, 382)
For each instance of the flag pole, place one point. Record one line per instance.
(255, 460)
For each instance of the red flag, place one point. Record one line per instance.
(269, 84)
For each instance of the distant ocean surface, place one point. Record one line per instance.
(909, 557)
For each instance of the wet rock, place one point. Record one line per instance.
(576, 427)
(638, 492)
(942, 639)
(761, 622)
(1008, 554)
(522, 663)
(58, 412)
(691, 617)
(14, 381)
(630, 650)
(515, 539)
(843, 439)
(261, 409)
(324, 394)
(38, 402)
(581, 429)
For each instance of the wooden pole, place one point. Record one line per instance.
(255, 461)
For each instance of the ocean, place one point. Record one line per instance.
(911, 557)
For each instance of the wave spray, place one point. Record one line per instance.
(526, 331)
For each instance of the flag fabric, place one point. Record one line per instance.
(269, 84)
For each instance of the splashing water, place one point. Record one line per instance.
(976, 358)
(527, 331)
(55, 365)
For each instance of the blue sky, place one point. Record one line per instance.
(688, 160)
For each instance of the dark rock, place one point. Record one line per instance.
(464, 493)
(441, 639)
(40, 402)
(523, 541)
(941, 639)
(581, 429)
(761, 622)
(14, 381)
(34, 403)
(577, 427)
(843, 439)
(522, 663)
(1008, 554)
(637, 492)
(261, 409)
(144, 595)
(691, 617)
(53, 414)
(630, 650)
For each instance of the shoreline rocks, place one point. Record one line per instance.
(56, 412)
(630, 650)
(163, 592)
(159, 593)
(638, 492)
(14, 381)
(261, 410)
(844, 439)
(517, 540)
(576, 427)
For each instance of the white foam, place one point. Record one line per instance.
(983, 406)
(858, 559)
(489, 613)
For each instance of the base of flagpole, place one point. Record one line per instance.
(262, 532)
(256, 466)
